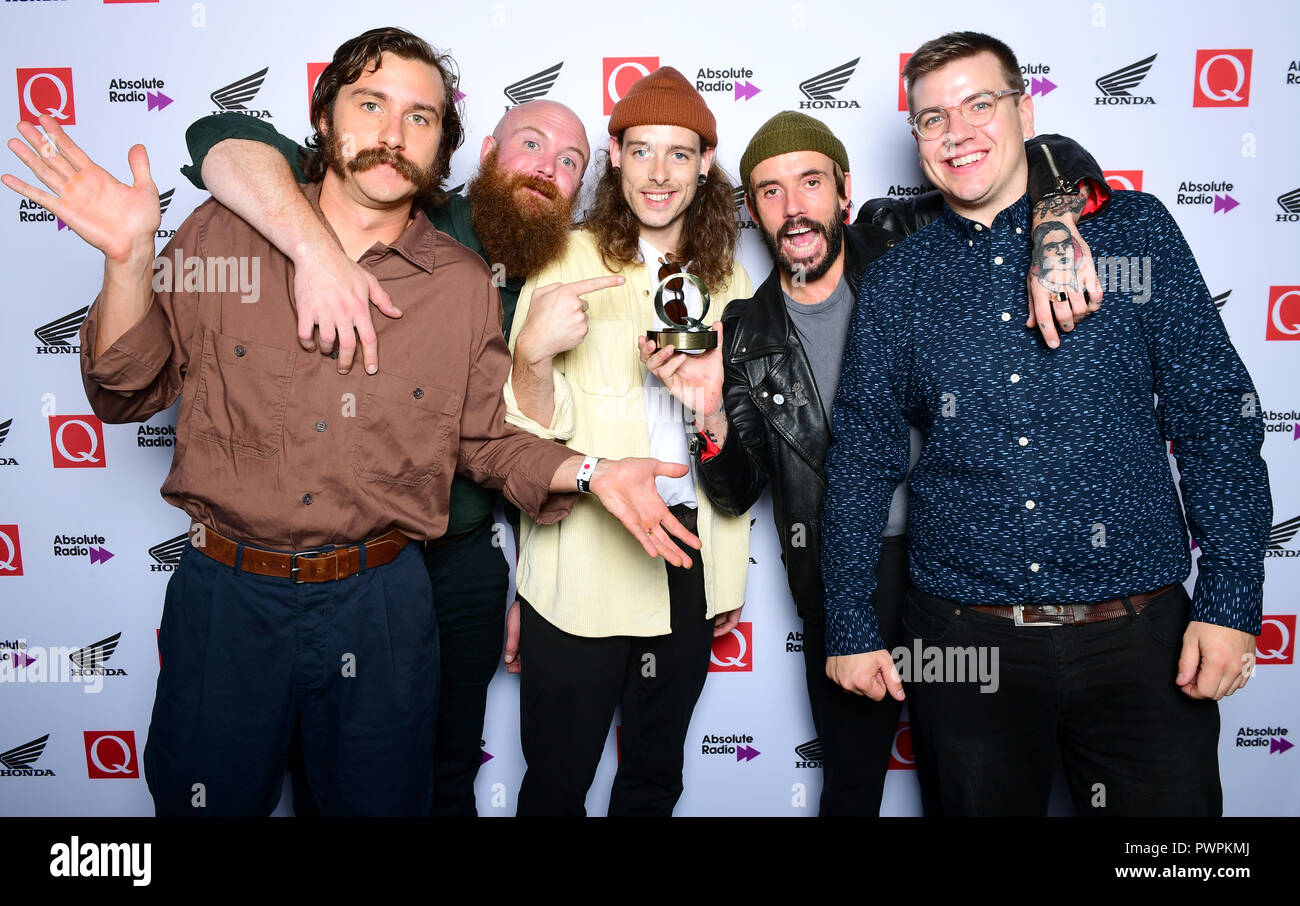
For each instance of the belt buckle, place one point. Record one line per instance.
(294, 568)
(1018, 614)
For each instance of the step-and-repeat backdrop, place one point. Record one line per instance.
(1190, 101)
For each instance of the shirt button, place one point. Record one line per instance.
(1033, 567)
(1015, 379)
(307, 499)
(1006, 316)
(763, 394)
(1019, 231)
(970, 242)
(239, 351)
(997, 260)
(1029, 504)
(320, 426)
(778, 399)
(418, 393)
(1024, 441)
(978, 227)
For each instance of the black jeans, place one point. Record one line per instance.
(470, 578)
(1132, 743)
(571, 685)
(856, 733)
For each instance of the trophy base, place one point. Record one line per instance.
(684, 340)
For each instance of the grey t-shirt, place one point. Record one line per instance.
(823, 328)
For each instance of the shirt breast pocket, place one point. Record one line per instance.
(602, 364)
(242, 391)
(404, 428)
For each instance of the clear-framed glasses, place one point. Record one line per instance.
(978, 110)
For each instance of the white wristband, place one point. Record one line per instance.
(584, 474)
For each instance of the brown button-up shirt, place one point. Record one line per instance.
(273, 445)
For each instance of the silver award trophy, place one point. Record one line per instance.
(686, 334)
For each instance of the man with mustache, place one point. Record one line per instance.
(516, 215)
(277, 453)
(771, 384)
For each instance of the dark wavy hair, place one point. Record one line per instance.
(362, 54)
(957, 45)
(709, 229)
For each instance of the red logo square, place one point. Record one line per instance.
(733, 652)
(110, 755)
(313, 75)
(77, 442)
(900, 753)
(11, 552)
(1222, 78)
(902, 89)
(1276, 642)
(47, 90)
(620, 73)
(1124, 179)
(1283, 313)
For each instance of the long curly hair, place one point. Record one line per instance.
(709, 229)
(362, 54)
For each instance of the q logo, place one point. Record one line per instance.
(1222, 78)
(313, 76)
(1276, 642)
(11, 553)
(730, 653)
(110, 754)
(77, 442)
(1283, 325)
(620, 73)
(1130, 180)
(900, 752)
(47, 91)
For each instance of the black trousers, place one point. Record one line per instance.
(1103, 694)
(856, 733)
(470, 578)
(570, 687)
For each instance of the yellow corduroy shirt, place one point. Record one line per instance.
(586, 575)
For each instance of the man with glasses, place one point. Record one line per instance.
(1043, 521)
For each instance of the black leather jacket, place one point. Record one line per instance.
(778, 431)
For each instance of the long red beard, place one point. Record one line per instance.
(524, 234)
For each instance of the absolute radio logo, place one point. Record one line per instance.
(234, 98)
(794, 642)
(900, 751)
(1283, 313)
(1130, 180)
(821, 90)
(167, 554)
(77, 442)
(155, 436)
(46, 91)
(55, 335)
(1222, 78)
(14, 651)
(740, 745)
(532, 87)
(19, 761)
(1275, 422)
(1281, 535)
(618, 74)
(4, 432)
(1276, 641)
(810, 754)
(733, 652)
(1272, 738)
(1211, 192)
(1037, 83)
(110, 755)
(11, 552)
(1117, 87)
(147, 91)
(901, 190)
(733, 79)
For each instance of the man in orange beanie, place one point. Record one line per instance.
(599, 628)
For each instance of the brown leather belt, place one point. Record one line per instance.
(1069, 614)
(304, 566)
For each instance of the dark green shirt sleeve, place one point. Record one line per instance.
(210, 130)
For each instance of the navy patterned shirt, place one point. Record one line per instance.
(1044, 476)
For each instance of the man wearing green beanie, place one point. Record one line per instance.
(782, 352)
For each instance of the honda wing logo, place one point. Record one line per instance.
(94, 655)
(534, 86)
(821, 89)
(235, 96)
(22, 756)
(1282, 533)
(1221, 299)
(1290, 202)
(165, 200)
(4, 429)
(167, 554)
(57, 333)
(1117, 87)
